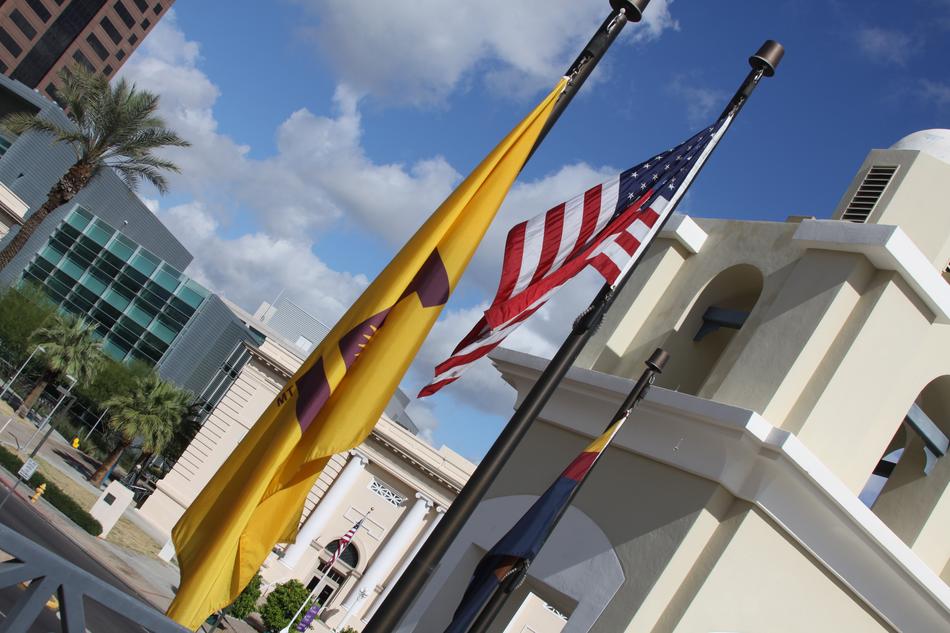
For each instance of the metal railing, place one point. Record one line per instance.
(49, 574)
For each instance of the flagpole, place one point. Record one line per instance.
(500, 595)
(395, 605)
(320, 582)
(623, 11)
(763, 63)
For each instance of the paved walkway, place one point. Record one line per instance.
(152, 578)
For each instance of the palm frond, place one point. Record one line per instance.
(22, 122)
(71, 347)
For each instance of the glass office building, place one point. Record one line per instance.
(139, 302)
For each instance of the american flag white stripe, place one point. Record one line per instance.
(607, 228)
(344, 542)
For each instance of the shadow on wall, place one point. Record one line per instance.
(914, 473)
(706, 328)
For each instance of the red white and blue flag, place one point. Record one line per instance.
(607, 227)
(341, 546)
(344, 542)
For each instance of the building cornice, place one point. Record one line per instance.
(888, 248)
(418, 454)
(284, 371)
(764, 465)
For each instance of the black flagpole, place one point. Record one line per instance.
(499, 597)
(410, 584)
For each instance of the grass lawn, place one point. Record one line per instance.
(125, 533)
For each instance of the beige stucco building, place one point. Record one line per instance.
(755, 489)
(402, 483)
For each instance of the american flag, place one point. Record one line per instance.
(607, 227)
(344, 542)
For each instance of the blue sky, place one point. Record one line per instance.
(324, 131)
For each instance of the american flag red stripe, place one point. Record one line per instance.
(344, 542)
(607, 227)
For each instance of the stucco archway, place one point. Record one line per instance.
(578, 565)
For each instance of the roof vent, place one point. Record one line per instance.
(868, 194)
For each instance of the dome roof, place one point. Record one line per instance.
(933, 142)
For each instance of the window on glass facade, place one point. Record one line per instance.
(9, 43)
(23, 24)
(41, 11)
(124, 14)
(110, 30)
(97, 46)
(138, 302)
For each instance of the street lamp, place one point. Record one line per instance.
(49, 416)
(12, 380)
(36, 449)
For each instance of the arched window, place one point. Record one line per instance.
(350, 556)
(707, 327)
(914, 472)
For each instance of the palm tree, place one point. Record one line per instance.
(71, 349)
(113, 126)
(152, 411)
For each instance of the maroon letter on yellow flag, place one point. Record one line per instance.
(336, 397)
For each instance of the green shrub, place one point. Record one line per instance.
(54, 495)
(282, 603)
(246, 603)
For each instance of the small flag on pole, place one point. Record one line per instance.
(607, 227)
(523, 542)
(336, 397)
(341, 546)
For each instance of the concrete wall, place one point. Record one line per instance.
(751, 578)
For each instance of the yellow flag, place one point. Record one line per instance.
(336, 397)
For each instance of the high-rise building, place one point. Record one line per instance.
(39, 37)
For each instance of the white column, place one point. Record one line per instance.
(313, 526)
(386, 558)
(440, 512)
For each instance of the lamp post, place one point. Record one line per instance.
(49, 416)
(96, 424)
(36, 449)
(38, 348)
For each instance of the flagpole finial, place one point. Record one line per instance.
(768, 57)
(658, 360)
(632, 8)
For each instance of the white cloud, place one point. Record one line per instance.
(251, 223)
(519, 46)
(255, 266)
(701, 103)
(936, 91)
(886, 46)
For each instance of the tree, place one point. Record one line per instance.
(23, 310)
(112, 379)
(282, 603)
(152, 411)
(69, 349)
(113, 127)
(246, 602)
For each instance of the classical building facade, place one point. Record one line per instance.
(395, 480)
(788, 472)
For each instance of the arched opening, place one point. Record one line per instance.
(708, 326)
(914, 471)
(349, 557)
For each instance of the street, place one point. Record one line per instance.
(19, 515)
